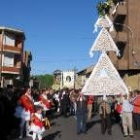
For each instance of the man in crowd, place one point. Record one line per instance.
(81, 113)
(127, 117)
(104, 111)
(64, 102)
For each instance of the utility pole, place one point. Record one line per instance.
(75, 70)
(61, 80)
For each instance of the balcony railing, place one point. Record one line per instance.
(11, 49)
(121, 37)
(10, 70)
(121, 9)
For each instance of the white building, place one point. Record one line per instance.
(68, 79)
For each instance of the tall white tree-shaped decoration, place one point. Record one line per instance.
(103, 22)
(104, 43)
(104, 79)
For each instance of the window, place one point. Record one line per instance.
(8, 60)
(9, 40)
(68, 79)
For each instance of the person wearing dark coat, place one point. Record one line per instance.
(105, 111)
(64, 103)
(81, 113)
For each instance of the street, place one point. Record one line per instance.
(65, 129)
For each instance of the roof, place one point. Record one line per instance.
(57, 72)
(17, 31)
(86, 70)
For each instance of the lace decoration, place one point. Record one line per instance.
(104, 79)
(104, 43)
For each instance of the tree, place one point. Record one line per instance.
(103, 7)
(45, 81)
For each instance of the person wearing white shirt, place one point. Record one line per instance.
(127, 109)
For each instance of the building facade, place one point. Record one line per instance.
(82, 76)
(125, 17)
(57, 79)
(11, 56)
(68, 79)
(26, 67)
(126, 34)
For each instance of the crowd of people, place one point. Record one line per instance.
(125, 109)
(29, 112)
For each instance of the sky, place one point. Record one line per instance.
(59, 33)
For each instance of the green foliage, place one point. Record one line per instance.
(103, 7)
(45, 81)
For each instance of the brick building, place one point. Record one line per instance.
(125, 16)
(12, 56)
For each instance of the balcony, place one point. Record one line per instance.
(11, 49)
(10, 70)
(121, 37)
(120, 14)
(121, 9)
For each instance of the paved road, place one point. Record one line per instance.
(65, 129)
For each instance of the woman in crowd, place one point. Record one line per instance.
(27, 103)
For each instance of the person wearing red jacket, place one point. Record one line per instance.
(46, 104)
(27, 104)
(118, 111)
(136, 111)
(37, 124)
(89, 107)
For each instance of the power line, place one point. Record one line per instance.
(61, 60)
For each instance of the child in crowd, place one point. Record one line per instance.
(37, 124)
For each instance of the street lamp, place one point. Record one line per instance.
(125, 25)
(75, 70)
